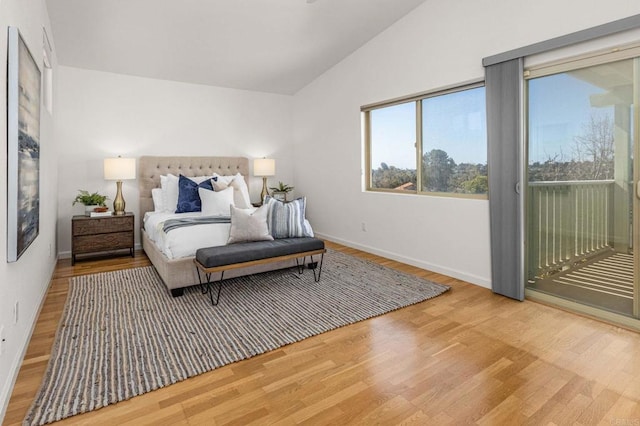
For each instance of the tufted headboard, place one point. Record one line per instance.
(150, 169)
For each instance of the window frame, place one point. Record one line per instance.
(365, 111)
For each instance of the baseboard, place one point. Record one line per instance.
(470, 278)
(17, 361)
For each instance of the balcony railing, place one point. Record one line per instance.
(567, 222)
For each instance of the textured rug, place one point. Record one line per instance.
(122, 334)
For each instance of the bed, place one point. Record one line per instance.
(178, 273)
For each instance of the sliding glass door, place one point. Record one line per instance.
(582, 201)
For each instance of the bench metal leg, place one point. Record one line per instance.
(314, 265)
(219, 288)
(300, 265)
(206, 287)
(203, 286)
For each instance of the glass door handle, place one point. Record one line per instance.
(638, 189)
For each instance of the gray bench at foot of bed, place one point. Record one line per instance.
(223, 258)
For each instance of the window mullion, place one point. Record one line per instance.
(367, 150)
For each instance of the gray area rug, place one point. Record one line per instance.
(122, 334)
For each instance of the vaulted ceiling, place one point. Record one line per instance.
(276, 46)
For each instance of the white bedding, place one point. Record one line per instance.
(184, 241)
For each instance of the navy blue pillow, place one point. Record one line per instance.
(188, 198)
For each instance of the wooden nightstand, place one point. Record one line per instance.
(101, 234)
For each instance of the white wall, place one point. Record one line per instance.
(26, 280)
(103, 115)
(438, 44)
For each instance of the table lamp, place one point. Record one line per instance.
(119, 169)
(264, 167)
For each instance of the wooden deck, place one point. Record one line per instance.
(605, 282)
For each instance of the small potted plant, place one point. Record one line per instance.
(280, 192)
(91, 201)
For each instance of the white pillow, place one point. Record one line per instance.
(241, 191)
(158, 201)
(216, 203)
(249, 225)
(169, 185)
(223, 179)
(199, 179)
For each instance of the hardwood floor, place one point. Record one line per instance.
(466, 357)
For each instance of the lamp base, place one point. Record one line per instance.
(118, 203)
(265, 191)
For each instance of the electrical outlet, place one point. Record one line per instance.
(15, 312)
(364, 227)
(2, 339)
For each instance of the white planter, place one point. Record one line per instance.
(89, 209)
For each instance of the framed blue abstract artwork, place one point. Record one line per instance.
(23, 147)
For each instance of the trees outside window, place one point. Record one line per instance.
(448, 136)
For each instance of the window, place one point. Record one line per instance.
(454, 143)
(575, 119)
(393, 147)
(434, 143)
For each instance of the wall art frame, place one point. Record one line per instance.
(23, 146)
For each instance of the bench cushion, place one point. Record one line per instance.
(211, 257)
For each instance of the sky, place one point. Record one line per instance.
(454, 123)
(559, 105)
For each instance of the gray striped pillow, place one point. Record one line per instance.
(286, 220)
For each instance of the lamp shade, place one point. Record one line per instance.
(264, 167)
(119, 168)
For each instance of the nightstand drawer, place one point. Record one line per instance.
(101, 234)
(105, 225)
(103, 242)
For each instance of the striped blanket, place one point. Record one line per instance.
(171, 224)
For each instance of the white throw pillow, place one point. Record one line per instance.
(226, 179)
(216, 203)
(163, 188)
(241, 185)
(169, 185)
(241, 191)
(158, 201)
(199, 179)
(249, 225)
